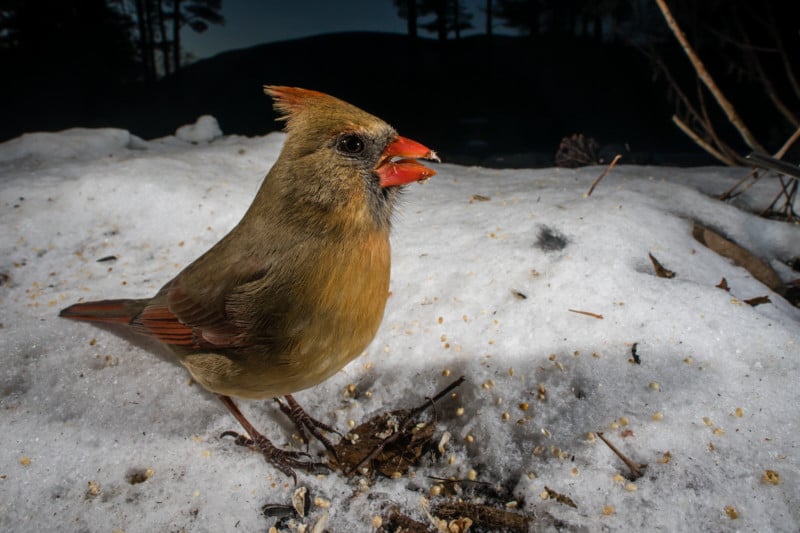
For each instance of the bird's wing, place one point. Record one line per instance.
(194, 319)
(177, 319)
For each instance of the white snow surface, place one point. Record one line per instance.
(81, 409)
(204, 130)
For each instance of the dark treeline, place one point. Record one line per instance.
(67, 61)
(565, 66)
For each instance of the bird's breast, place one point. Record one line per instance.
(337, 314)
(346, 306)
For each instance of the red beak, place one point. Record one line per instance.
(406, 169)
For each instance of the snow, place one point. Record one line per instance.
(204, 130)
(83, 410)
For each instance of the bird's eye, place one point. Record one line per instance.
(351, 144)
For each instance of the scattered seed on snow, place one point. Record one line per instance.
(771, 477)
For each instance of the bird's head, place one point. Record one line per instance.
(337, 155)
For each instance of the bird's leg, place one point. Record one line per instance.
(283, 460)
(303, 421)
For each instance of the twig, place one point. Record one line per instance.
(769, 88)
(754, 172)
(788, 209)
(707, 80)
(788, 144)
(587, 313)
(781, 167)
(700, 142)
(721, 145)
(690, 110)
(692, 115)
(636, 470)
(787, 64)
(727, 195)
(482, 516)
(603, 174)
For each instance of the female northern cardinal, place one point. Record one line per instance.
(297, 289)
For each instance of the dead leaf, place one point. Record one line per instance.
(560, 498)
(742, 257)
(758, 300)
(479, 198)
(661, 272)
(723, 284)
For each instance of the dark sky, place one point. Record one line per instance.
(252, 22)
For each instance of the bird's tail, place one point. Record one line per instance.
(105, 311)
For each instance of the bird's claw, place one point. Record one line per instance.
(305, 422)
(240, 438)
(284, 460)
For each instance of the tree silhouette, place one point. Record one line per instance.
(407, 9)
(449, 16)
(83, 48)
(489, 10)
(197, 14)
(566, 17)
(523, 15)
(155, 19)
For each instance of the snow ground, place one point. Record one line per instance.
(83, 412)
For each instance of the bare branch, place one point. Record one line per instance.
(762, 76)
(708, 126)
(700, 142)
(709, 82)
(788, 144)
(787, 64)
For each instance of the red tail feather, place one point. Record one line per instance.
(107, 311)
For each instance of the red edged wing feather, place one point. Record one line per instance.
(181, 321)
(159, 322)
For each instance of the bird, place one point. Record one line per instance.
(297, 289)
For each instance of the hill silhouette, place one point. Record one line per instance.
(475, 100)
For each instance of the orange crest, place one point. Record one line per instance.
(290, 100)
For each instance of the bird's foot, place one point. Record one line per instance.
(284, 460)
(305, 422)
